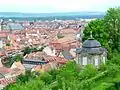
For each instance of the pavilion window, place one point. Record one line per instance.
(104, 60)
(92, 60)
(84, 61)
(96, 61)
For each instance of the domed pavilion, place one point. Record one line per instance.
(91, 53)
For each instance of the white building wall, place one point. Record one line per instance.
(1, 44)
(49, 51)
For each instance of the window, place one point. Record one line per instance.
(104, 60)
(96, 61)
(84, 60)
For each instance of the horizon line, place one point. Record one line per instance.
(54, 12)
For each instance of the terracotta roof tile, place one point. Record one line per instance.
(4, 70)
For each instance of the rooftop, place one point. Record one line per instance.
(91, 43)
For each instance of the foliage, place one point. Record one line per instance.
(25, 78)
(114, 59)
(106, 30)
(105, 86)
(8, 44)
(12, 59)
(46, 77)
(17, 58)
(98, 31)
(28, 50)
(70, 69)
(53, 73)
(87, 72)
(112, 26)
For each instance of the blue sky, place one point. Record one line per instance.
(51, 6)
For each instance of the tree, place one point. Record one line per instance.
(8, 44)
(112, 26)
(88, 72)
(46, 77)
(98, 32)
(11, 59)
(9, 62)
(71, 69)
(27, 50)
(106, 30)
(17, 58)
(25, 78)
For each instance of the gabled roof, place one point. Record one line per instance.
(4, 70)
(15, 26)
(67, 54)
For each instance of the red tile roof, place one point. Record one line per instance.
(4, 70)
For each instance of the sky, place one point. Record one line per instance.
(55, 6)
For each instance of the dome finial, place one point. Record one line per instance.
(91, 34)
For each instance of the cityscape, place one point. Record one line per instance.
(64, 49)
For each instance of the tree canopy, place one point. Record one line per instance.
(106, 30)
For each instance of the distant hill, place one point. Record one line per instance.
(50, 16)
(17, 14)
